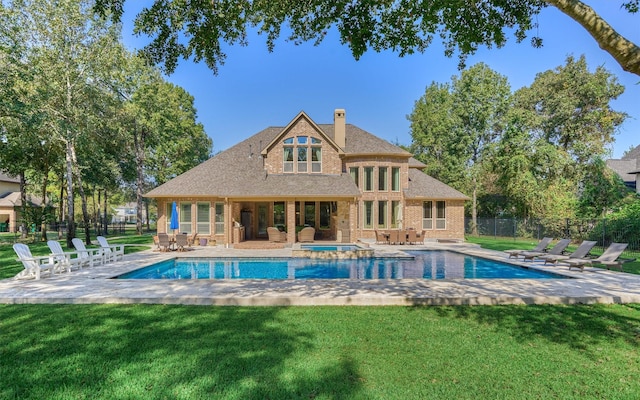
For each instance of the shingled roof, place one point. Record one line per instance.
(239, 172)
(423, 186)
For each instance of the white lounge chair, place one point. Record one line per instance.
(33, 266)
(93, 256)
(66, 260)
(111, 252)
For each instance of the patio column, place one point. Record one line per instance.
(291, 221)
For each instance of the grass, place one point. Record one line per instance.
(9, 267)
(501, 244)
(191, 352)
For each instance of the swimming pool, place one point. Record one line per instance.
(423, 265)
(340, 251)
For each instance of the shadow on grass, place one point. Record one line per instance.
(175, 352)
(580, 327)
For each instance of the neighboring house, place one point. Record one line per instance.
(336, 177)
(628, 168)
(127, 213)
(10, 202)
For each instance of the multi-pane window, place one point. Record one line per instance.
(302, 159)
(185, 217)
(395, 213)
(288, 159)
(441, 215)
(427, 215)
(219, 218)
(354, 171)
(368, 214)
(395, 179)
(301, 151)
(382, 214)
(382, 178)
(203, 221)
(368, 179)
(316, 159)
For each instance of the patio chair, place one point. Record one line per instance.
(111, 252)
(412, 236)
(555, 250)
(581, 252)
(307, 234)
(541, 247)
(156, 243)
(92, 256)
(192, 239)
(381, 237)
(164, 242)
(394, 236)
(181, 241)
(275, 235)
(66, 259)
(33, 266)
(610, 258)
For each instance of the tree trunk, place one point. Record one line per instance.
(83, 197)
(23, 200)
(61, 209)
(71, 224)
(139, 148)
(104, 219)
(474, 208)
(43, 216)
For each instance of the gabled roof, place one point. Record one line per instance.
(239, 172)
(423, 186)
(359, 141)
(285, 130)
(6, 178)
(624, 169)
(12, 199)
(633, 154)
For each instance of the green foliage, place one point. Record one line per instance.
(623, 223)
(603, 190)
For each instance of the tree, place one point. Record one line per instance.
(70, 51)
(454, 127)
(159, 120)
(406, 26)
(556, 131)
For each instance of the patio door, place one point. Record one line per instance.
(263, 214)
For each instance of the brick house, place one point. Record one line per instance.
(338, 178)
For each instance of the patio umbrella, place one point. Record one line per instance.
(174, 218)
(399, 217)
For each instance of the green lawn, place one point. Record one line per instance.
(9, 267)
(194, 352)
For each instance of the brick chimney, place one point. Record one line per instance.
(339, 127)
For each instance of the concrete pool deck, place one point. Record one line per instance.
(93, 286)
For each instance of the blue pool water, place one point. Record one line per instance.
(316, 247)
(425, 265)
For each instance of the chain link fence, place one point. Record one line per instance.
(604, 231)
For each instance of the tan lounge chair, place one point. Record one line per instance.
(556, 250)
(306, 234)
(275, 235)
(610, 258)
(581, 252)
(541, 247)
(412, 236)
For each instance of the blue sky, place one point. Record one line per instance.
(255, 89)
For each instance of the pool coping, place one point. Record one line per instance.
(94, 286)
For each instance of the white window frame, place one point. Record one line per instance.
(203, 226)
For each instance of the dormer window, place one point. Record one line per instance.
(301, 151)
